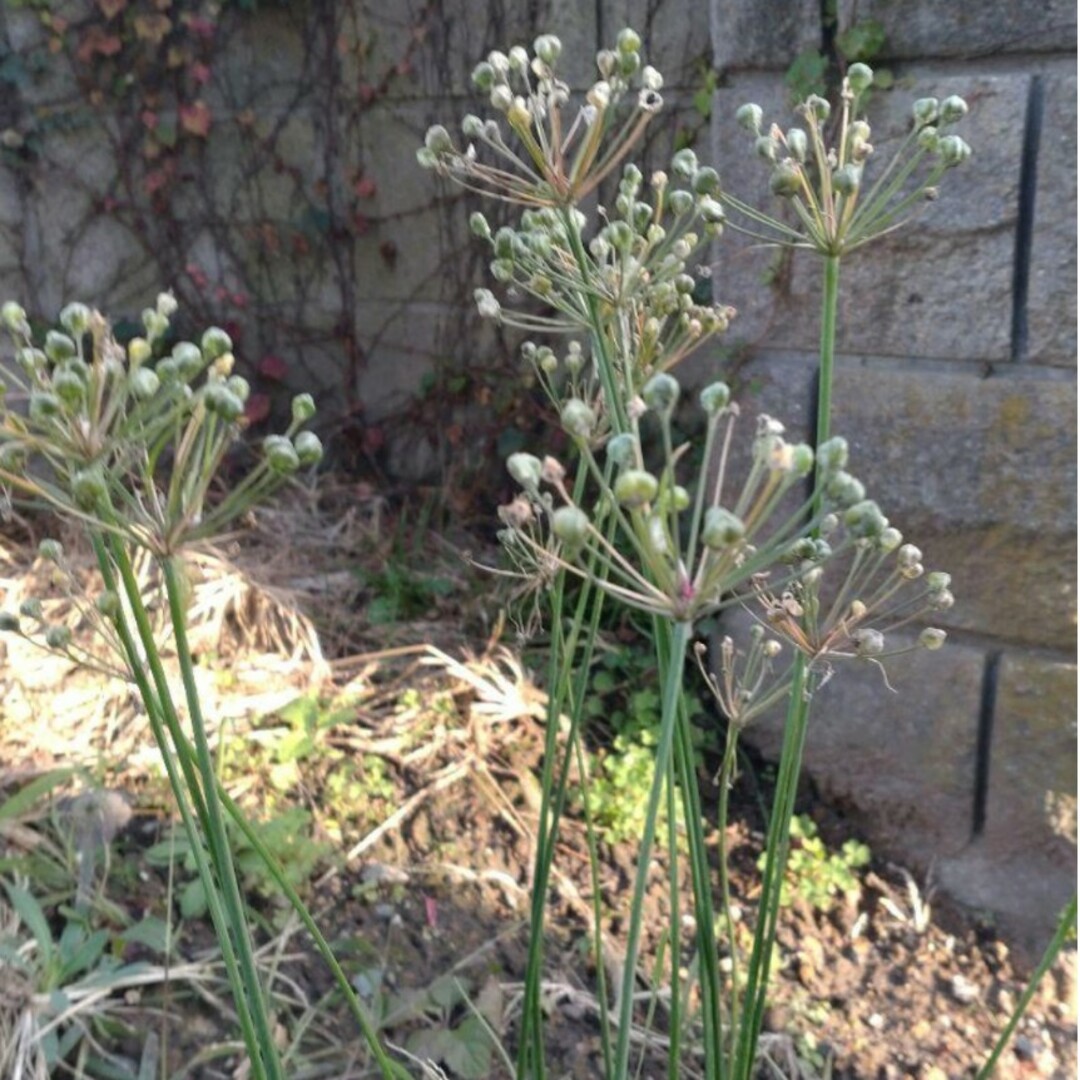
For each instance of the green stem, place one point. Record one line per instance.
(672, 689)
(776, 853)
(1066, 926)
(830, 295)
(727, 778)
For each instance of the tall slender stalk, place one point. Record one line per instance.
(827, 349)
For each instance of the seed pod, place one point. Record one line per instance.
(890, 539)
(684, 164)
(681, 202)
(931, 638)
(69, 387)
(31, 360)
(108, 604)
(937, 580)
(43, 405)
(832, 455)
(925, 111)
(571, 525)
(281, 455)
(941, 600)
(138, 351)
(817, 108)
(479, 226)
(189, 360)
(847, 179)
(749, 116)
(9, 623)
(166, 304)
(953, 151)
(221, 401)
(90, 488)
(525, 469)
(30, 608)
(483, 76)
(864, 520)
(661, 393)
(215, 342)
(797, 144)
(239, 386)
(51, 550)
(706, 181)
(578, 420)
(953, 108)
(620, 449)
(635, 487)
(844, 490)
(628, 41)
(309, 448)
(13, 316)
(786, 180)
(58, 346)
(547, 48)
(715, 398)
(75, 318)
(58, 637)
(303, 408)
(860, 77)
(802, 460)
(722, 528)
(868, 642)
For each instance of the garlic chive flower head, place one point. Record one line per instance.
(838, 207)
(129, 440)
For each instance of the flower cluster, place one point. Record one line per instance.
(130, 439)
(824, 184)
(649, 542)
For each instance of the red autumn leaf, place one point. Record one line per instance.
(95, 42)
(364, 187)
(111, 8)
(257, 407)
(273, 367)
(195, 118)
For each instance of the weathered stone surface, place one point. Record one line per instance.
(941, 286)
(980, 472)
(1022, 868)
(1052, 274)
(925, 28)
(763, 35)
(902, 760)
(674, 34)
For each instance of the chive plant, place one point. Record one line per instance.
(128, 443)
(825, 574)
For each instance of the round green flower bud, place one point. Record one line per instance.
(937, 580)
(138, 351)
(107, 603)
(844, 489)
(501, 98)
(928, 139)
(51, 550)
(166, 304)
(221, 401)
(925, 111)
(711, 211)
(932, 638)
(168, 370)
(680, 497)
(90, 488)
(578, 420)
(58, 637)
(239, 386)
(802, 460)
(722, 528)
(715, 397)
(32, 361)
(13, 316)
(437, 140)
(953, 151)
(684, 164)
(483, 77)
(765, 146)
(941, 600)
(9, 623)
(570, 525)
(706, 181)
(472, 127)
(890, 539)
(628, 41)
(154, 323)
(31, 609)
(69, 387)
(547, 48)
(479, 225)
(189, 360)
(681, 202)
(58, 346)
(749, 116)
(303, 408)
(860, 77)
(525, 469)
(818, 108)
(865, 521)
(953, 108)
(309, 448)
(215, 342)
(868, 642)
(43, 405)
(908, 555)
(75, 318)
(797, 143)
(635, 487)
(281, 455)
(847, 180)
(661, 392)
(620, 449)
(785, 180)
(832, 455)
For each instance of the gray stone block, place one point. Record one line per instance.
(930, 28)
(941, 286)
(901, 760)
(980, 472)
(1052, 274)
(767, 35)
(1022, 868)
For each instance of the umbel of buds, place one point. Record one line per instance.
(837, 209)
(131, 437)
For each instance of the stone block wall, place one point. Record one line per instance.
(261, 163)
